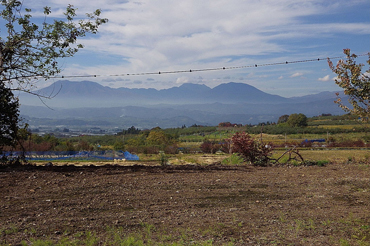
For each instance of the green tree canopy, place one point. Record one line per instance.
(157, 137)
(297, 120)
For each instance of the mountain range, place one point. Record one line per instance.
(187, 104)
(91, 94)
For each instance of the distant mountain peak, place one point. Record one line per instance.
(241, 92)
(193, 85)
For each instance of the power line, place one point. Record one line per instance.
(202, 70)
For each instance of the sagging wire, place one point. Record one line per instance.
(202, 70)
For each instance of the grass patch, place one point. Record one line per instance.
(234, 159)
(332, 156)
(146, 235)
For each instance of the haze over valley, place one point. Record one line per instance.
(89, 104)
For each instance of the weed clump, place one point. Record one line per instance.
(319, 163)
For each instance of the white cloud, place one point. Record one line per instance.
(281, 77)
(182, 80)
(157, 34)
(325, 78)
(296, 75)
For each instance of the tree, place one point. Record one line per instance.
(157, 137)
(29, 51)
(355, 83)
(297, 120)
(9, 117)
(282, 119)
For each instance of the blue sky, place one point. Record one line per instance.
(167, 35)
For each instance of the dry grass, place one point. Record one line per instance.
(334, 155)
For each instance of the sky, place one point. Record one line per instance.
(166, 35)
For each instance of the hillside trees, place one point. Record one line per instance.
(153, 141)
(131, 130)
(355, 83)
(30, 51)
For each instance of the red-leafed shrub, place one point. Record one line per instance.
(348, 143)
(210, 147)
(171, 149)
(250, 150)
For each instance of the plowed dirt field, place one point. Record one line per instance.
(185, 204)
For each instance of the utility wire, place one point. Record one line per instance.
(202, 70)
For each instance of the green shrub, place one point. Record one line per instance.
(163, 158)
(234, 159)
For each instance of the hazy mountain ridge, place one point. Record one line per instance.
(187, 104)
(91, 94)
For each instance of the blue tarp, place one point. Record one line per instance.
(71, 155)
(320, 140)
(130, 157)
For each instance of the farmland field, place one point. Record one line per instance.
(198, 198)
(209, 204)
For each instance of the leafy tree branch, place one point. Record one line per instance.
(355, 83)
(30, 51)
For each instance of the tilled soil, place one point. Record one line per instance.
(188, 203)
